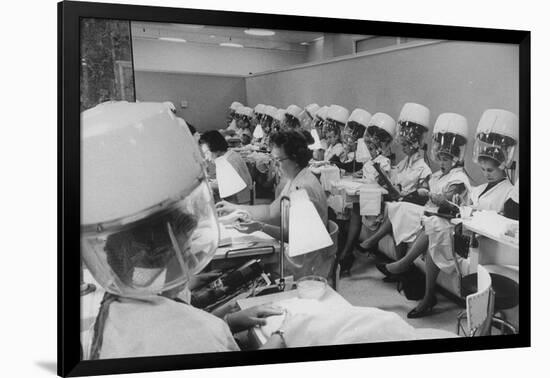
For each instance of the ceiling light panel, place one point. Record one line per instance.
(260, 32)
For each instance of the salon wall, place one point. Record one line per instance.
(330, 46)
(460, 77)
(164, 56)
(207, 96)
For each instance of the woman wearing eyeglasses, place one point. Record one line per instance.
(291, 154)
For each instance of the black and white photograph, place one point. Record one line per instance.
(247, 188)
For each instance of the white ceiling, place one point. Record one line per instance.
(282, 40)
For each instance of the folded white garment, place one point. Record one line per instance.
(336, 203)
(314, 323)
(492, 222)
(329, 175)
(370, 201)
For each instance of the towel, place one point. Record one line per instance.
(329, 175)
(370, 200)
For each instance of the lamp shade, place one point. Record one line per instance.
(229, 181)
(362, 153)
(316, 140)
(306, 231)
(258, 132)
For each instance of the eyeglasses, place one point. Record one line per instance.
(279, 160)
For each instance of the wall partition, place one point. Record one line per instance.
(446, 76)
(200, 99)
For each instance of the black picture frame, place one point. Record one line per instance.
(69, 15)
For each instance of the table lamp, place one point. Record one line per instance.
(258, 132)
(362, 153)
(306, 232)
(316, 140)
(229, 181)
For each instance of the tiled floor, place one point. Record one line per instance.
(365, 288)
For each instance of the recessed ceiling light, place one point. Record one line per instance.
(192, 26)
(261, 32)
(230, 44)
(170, 39)
(304, 43)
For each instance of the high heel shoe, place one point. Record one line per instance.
(390, 277)
(345, 265)
(415, 313)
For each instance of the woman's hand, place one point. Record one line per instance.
(291, 327)
(423, 192)
(249, 227)
(199, 280)
(346, 150)
(438, 199)
(252, 317)
(235, 216)
(224, 208)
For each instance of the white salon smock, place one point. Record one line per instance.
(370, 173)
(494, 198)
(440, 231)
(409, 172)
(406, 217)
(305, 179)
(334, 150)
(160, 326)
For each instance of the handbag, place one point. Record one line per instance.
(412, 283)
(415, 198)
(461, 242)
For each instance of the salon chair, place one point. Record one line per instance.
(479, 307)
(505, 289)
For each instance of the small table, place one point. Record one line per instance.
(352, 186)
(243, 246)
(497, 248)
(349, 188)
(497, 253)
(330, 298)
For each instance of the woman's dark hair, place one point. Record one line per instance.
(335, 128)
(489, 159)
(292, 121)
(454, 151)
(307, 135)
(141, 245)
(214, 140)
(248, 122)
(382, 135)
(295, 144)
(357, 129)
